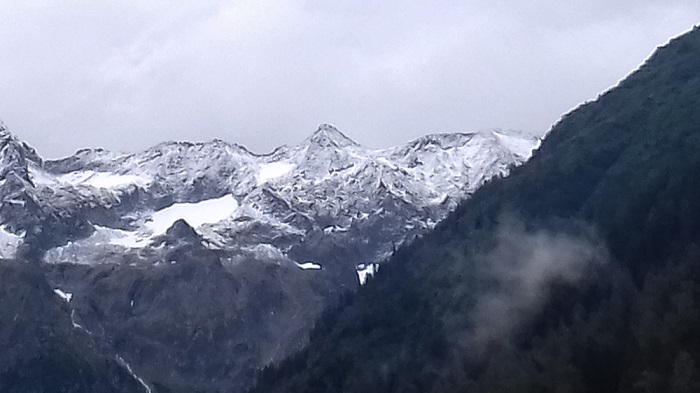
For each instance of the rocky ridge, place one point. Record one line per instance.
(97, 203)
(196, 264)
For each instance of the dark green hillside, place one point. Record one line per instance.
(578, 273)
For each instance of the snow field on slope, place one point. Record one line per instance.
(87, 178)
(273, 170)
(101, 179)
(196, 214)
(521, 147)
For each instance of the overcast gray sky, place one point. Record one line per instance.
(127, 74)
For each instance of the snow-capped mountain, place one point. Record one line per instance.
(196, 264)
(96, 205)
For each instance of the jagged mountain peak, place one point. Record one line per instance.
(328, 136)
(15, 155)
(4, 133)
(180, 232)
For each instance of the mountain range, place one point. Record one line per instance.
(202, 267)
(193, 265)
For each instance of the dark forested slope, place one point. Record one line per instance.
(578, 273)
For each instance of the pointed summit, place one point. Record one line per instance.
(15, 154)
(5, 135)
(327, 136)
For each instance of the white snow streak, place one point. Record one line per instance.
(67, 296)
(308, 266)
(76, 325)
(126, 365)
(101, 179)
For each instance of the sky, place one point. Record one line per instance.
(125, 75)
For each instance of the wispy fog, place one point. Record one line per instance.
(517, 275)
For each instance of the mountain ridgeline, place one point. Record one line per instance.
(580, 272)
(187, 267)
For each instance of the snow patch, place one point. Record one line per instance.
(334, 228)
(364, 271)
(308, 266)
(274, 170)
(102, 179)
(521, 147)
(129, 239)
(197, 214)
(17, 202)
(67, 296)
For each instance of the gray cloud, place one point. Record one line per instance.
(128, 74)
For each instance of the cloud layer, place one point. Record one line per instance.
(127, 74)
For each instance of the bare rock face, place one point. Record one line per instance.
(42, 350)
